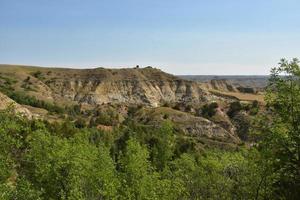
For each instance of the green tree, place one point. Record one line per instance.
(137, 177)
(25, 190)
(162, 145)
(209, 110)
(280, 132)
(70, 168)
(234, 108)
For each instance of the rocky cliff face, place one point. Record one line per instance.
(258, 83)
(132, 92)
(220, 84)
(146, 86)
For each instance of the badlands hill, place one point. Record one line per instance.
(108, 98)
(243, 88)
(147, 86)
(258, 82)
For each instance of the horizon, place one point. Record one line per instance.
(127, 67)
(182, 38)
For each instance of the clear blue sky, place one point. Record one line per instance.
(179, 36)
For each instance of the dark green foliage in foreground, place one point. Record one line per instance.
(37, 161)
(279, 132)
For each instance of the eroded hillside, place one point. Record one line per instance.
(108, 98)
(7, 103)
(147, 86)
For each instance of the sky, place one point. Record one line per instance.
(212, 37)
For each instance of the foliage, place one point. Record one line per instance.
(242, 123)
(80, 123)
(254, 109)
(234, 108)
(59, 161)
(209, 110)
(279, 138)
(107, 118)
(38, 75)
(162, 145)
(231, 174)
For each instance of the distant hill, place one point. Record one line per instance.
(258, 82)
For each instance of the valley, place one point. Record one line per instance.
(102, 97)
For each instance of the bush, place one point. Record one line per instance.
(73, 110)
(209, 110)
(38, 75)
(254, 108)
(234, 108)
(80, 123)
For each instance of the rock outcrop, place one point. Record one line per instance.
(191, 125)
(147, 86)
(6, 102)
(220, 84)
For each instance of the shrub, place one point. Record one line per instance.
(254, 108)
(38, 75)
(209, 110)
(234, 108)
(80, 123)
